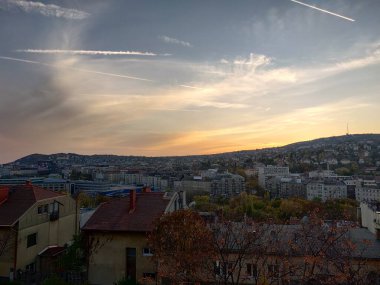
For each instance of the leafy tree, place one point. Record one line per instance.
(182, 246)
(74, 258)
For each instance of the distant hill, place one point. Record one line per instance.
(335, 140)
(73, 158)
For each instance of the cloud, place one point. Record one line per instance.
(86, 52)
(67, 66)
(48, 10)
(169, 40)
(373, 57)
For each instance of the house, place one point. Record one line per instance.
(295, 254)
(33, 222)
(117, 235)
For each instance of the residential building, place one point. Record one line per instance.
(193, 186)
(326, 189)
(117, 235)
(292, 187)
(227, 185)
(32, 221)
(270, 171)
(370, 216)
(367, 190)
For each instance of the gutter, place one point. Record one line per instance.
(15, 254)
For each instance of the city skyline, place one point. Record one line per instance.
(190, 77)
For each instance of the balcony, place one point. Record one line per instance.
(54, 216)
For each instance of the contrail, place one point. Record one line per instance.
(79, 69)
(86, 52)
(89, 71)
(324, 11)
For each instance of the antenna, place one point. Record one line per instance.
(347, 133)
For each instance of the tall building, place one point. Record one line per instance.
(270, 171)
(227, 185)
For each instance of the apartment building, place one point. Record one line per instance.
(270, 171)
(326, 189)
(227, 184)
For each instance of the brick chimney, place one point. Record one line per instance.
(132, 201)
(28, 183)
(4, 194)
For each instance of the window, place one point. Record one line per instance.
(251, 270)
(273, 270)
(147, 251)
(31, 240)
(43, 209)
(228, 268)
(150, 275)
(31, 267)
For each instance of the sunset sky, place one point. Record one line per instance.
(183, 77)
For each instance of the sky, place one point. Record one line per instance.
(165, 77)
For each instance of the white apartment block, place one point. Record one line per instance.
(363, 193)
(325, 190)
(271, 171)
(370, 216)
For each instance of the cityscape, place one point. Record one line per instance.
(189, 142)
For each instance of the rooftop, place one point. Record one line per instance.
(116, 215)
(18, 199)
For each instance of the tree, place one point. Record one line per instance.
(7, 240)
(328, 254)
(182, 246)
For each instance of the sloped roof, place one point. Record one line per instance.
(115, 214)
(20, 199)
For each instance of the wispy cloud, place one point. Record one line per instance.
(170, 40)
(48, 10)
(323, 10)
(74, 68)
(86, 52)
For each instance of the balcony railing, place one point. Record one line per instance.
(54, 216)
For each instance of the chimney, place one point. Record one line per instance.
(28, 183)
(132, 201)
(4, 194)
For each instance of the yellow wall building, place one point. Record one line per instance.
(117, 236)
(32, 220)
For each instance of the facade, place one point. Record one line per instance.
(270, 171)
(367, 190)
(227, 185)
(193, 186)
(370, 216)
(278, 254)
(292, 188)
(117, 236)
(326, 189)
(32, 221)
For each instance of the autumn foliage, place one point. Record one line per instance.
(182, 246)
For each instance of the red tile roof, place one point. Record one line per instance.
(115, 215)
(20, 199)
